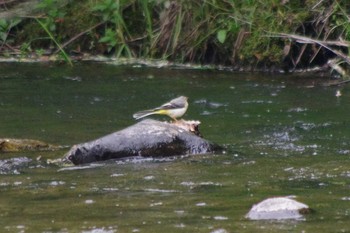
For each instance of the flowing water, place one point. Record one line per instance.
(283, 136)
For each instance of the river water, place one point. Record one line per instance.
(284, 135)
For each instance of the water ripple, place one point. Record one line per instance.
(160, 190)
(12, 166)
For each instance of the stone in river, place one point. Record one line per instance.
(148, 138)
(278, 208)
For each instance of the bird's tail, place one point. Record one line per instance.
(145, 113)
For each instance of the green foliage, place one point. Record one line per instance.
(39, 52)
(63, 53)
(110, 38)
(116, 31)
(25, 49)
(146, 7)
(5, 27)
(53, 13)
(107, 9)
(220, 32)
(341, 19)
(3, 30)
(221, 35)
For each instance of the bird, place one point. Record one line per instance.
(175, 108)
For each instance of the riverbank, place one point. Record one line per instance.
(270, 36)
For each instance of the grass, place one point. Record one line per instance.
(234, 33)
(64, 54)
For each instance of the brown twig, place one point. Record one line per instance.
(77, 36)
(303, 47)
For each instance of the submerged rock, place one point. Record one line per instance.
(13, 145)
(278, 208)
(12, 165)
(148, 138)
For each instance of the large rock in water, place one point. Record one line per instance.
(148, 138)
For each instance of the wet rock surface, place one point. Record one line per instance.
(148, 138)
(278, 208)
(15, 145)
(12, 165)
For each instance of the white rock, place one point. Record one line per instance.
(277, 208)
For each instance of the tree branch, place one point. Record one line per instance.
(324, 44)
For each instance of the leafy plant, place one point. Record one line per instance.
(107, 9)
(221, 35)
(116, 30)
(5, 27)
(3, 30)
(39, 52)
(25, 49)
(64, 54)
(53, 11)
(109, 38)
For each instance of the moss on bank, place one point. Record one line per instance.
(228, 32)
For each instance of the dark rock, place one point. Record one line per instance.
(148, 138)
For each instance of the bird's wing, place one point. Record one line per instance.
(170, 105)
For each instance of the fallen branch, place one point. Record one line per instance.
(322, 43)
(307, 40)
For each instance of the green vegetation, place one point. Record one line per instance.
(47, 30)
(254, 34)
